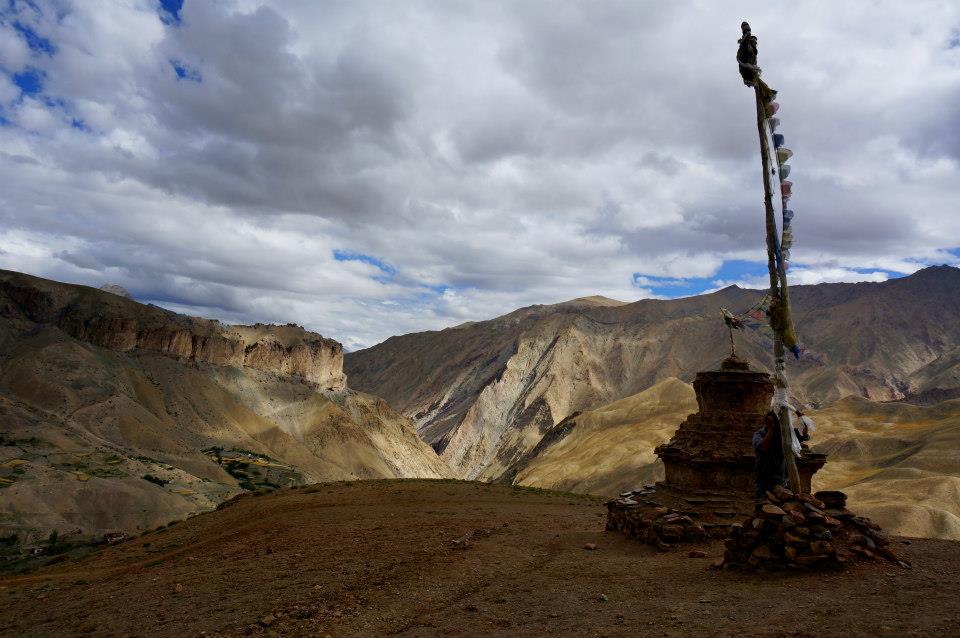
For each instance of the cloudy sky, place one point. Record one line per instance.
(375, 168)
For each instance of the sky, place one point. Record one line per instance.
(367, 169)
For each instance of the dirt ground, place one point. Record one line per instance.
(379, 559)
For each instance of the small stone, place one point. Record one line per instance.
(761, 553)
(672, 532)
(602, 598)
(267, 620)
(772, 510)
(662, 546)
(794, 539)
(590, 546)
(782, 493)
(697, 553)
(178, 588)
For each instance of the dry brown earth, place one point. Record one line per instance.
(379, 559)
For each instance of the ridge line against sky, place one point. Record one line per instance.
(370, 168)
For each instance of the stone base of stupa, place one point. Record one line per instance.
(709, 463)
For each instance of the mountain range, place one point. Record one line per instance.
(116, 416)
(484, 394)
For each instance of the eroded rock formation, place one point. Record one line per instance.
(111, 321)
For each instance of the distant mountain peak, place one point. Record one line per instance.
(942, 269)
(593, 300)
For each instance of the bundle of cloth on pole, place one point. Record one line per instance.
(778, 185)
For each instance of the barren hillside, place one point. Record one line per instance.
(899, 463)
(379, 558)
(484, 393)
(116, 416)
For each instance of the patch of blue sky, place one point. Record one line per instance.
(733, 270)
(437, 289)
(350, 255)
(169, 11)
(30, 81)
(186, 73)
(36, 43)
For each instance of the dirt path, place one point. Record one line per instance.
(378, 559)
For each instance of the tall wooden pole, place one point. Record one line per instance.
(778, 281)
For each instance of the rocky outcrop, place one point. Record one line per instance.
(119, 417)
(114, 322)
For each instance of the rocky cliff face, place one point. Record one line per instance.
(115, 416)
(111, 321)
(485, 393)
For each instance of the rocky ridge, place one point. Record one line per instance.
(117, 417)
(124, 325)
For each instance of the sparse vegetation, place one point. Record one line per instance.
(155, 479)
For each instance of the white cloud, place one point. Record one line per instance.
(494, 155)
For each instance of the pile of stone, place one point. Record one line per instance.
(662, 527)
(804, 531)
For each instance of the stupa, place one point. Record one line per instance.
(709, 462)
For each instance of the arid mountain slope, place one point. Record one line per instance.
(899, 463)
(136, 416)
(484, 393)
(610, 449)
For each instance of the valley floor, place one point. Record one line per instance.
(378, 558)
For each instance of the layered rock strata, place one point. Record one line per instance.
(121, 324)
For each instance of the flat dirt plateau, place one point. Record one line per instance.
(386, 558)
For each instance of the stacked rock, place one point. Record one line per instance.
(661, 527)
(791, 531)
